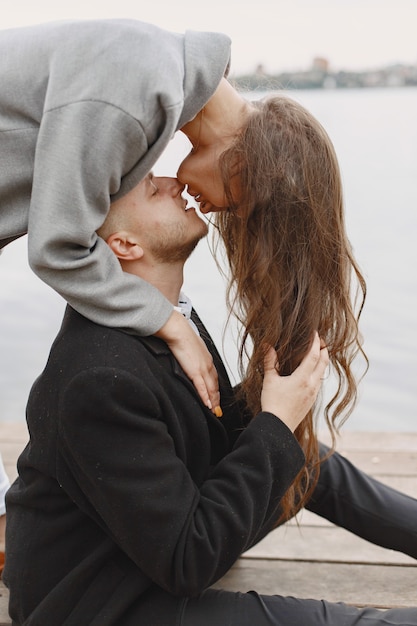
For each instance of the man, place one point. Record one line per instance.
(132, 498)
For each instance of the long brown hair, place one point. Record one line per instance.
(292, 269)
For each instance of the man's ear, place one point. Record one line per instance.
(125, 246)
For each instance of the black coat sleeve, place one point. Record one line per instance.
(131, 465)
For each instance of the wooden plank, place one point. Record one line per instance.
(359, 585)
(373, 441)
(348, 440)
(384, 462)
(11, 450)
(379, 454)
(325, 543)
(346, 443)
(364, 442)
(389, 465)
(4, 603)
(13, 432)
(13, 438)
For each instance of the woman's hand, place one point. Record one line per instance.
(291, 397)
(192, 354)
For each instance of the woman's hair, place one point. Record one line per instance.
(292, 270)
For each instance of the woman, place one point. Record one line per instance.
(269, 172)
(272, 177)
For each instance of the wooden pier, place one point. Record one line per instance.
(312, 559)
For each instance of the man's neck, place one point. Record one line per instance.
(166, 277)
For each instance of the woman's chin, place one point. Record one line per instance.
(208, 207)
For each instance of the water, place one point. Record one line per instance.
(375, 136)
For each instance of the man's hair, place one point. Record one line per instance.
(117, 219)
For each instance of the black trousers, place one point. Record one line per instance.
(224, 608)
(351, 499)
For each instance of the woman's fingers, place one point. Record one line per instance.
(207, 387)
(197, 363)
(192, 354)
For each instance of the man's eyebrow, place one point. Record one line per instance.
(150, 179)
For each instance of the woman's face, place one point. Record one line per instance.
(213, 131)
(201, 173)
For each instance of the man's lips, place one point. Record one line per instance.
(187, 207)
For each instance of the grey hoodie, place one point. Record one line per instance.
(86, 109)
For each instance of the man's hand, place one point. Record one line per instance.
(291, 397)
(192, 354)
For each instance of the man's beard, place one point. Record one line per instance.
(174, 248)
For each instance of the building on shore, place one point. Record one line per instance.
(321, 76)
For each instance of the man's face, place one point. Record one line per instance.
(158, 216)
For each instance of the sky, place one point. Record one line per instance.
(280, 35)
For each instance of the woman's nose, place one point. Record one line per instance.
(180, 186)
(177, 188)
(173, 186)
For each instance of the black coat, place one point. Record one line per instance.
(131, 495)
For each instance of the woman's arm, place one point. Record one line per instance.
(84, 150)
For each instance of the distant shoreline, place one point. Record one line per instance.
(320, 77)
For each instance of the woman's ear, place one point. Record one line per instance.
(125, 246)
